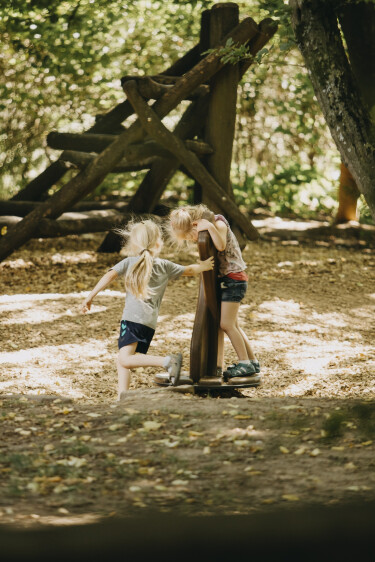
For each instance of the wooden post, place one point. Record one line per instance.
(221, 115)
(204, 341)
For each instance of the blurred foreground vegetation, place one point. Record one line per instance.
(62, 62)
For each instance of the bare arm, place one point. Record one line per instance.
(196, 269)
(217, 231)
(101, 284)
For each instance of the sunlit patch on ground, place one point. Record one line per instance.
(308, 313)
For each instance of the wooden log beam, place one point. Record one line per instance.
(151, 89)
(267, 29)
(155, 128)
(22, 208)
(77, 223)
(82, 159)
(184, 63)
(39, 185)
(17, 208)
(96, 143)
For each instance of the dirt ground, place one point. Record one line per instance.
(69, 453)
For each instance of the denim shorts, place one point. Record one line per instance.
(131, 332)
(232, 290)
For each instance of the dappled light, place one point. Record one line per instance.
(311, 341)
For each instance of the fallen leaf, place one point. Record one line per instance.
(151, 425)
(290, 498)
(314, 452)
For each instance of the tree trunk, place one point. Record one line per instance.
(361, 49)
(318, 36)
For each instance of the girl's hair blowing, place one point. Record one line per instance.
(144, 239)
(182, 218)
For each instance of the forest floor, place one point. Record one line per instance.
(69, 453)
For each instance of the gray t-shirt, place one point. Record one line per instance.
(146, 312)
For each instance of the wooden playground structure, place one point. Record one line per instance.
(200, 145)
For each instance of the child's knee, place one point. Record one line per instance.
(123, 361)
(226, 326)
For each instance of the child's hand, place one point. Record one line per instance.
(208, 264)
(86, 306)
(202, 224)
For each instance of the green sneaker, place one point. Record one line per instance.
(241, 370)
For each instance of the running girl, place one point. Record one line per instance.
(146, 277)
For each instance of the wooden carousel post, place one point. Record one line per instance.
(204, 341)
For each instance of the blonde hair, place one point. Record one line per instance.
(181, 219)
(144, 239)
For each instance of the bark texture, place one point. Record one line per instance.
(317, 32)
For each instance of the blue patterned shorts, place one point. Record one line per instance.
(131, 332)
(232, 290)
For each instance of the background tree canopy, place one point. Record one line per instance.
(62, 62)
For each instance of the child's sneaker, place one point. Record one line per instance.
(240, 370)
(256, 364)
(174, 367)
(227, 372)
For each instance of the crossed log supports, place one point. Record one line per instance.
(164, 154)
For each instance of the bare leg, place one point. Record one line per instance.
(228, 323)
(220, 349)
(122, 371)
(127, 359)
(249, 349)
(141, 360)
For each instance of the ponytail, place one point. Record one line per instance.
(138, 276)
(144, 239)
